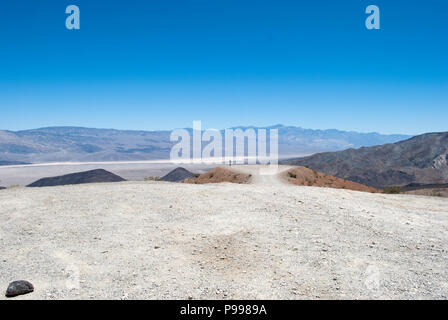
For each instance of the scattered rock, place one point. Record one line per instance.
(20, 287)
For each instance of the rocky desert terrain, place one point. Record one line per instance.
(262, 240)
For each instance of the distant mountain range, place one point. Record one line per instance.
(55, 144)
(10, 163)
(422, 159)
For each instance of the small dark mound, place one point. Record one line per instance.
(2, 188)
(178, 175)
(92, 176)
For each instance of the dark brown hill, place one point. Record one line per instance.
(421, 159)
(92, 176)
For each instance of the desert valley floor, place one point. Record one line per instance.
(160, 240)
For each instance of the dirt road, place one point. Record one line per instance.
(264, 175)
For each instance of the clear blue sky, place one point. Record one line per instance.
(160, 64)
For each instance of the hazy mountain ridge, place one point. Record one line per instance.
(421, 159)
(82, 144)
(90, 144)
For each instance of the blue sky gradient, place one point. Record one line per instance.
(161, 64)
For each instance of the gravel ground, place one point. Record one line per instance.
(160, 240)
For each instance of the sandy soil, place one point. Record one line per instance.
(159, 240)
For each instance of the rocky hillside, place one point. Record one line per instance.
(302, 176)
(421, 159)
